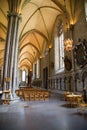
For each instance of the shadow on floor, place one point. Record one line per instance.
(84, 115)
(69, 106)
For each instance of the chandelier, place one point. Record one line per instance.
(68, 44)
(68, 41)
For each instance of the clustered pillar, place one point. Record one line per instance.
(11, 52)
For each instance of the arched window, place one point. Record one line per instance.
(23, 75)
(85, 3)
(38, 69)
(59, 52)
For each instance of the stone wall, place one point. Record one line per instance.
(74, 80)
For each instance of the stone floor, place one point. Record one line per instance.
(41, 115)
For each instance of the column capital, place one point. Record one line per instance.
(14, 14)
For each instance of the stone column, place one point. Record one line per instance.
(6, 56)
(49, 62)
(30, 78)
(72, 52)
(40, 66)
(15, 61)
(1, 76)
(33, 71)
(10, 57)
(57, 83)
(20, 75)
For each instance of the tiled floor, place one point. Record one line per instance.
(41, 115)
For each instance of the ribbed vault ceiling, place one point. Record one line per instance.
(37, 22)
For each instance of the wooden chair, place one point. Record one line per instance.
(65, 95)
(41, 95)
(32, 95)
(26, 95)
(46, 95)
(17, 92)
(20, 93)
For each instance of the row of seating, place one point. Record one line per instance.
(33, 94)
(26, 88)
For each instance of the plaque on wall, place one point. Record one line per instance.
(85, 45)
(52, 65)
(80, 55)
(68, 64)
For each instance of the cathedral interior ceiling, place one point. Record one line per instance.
(38, 18)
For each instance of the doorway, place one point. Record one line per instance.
(45, 77)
